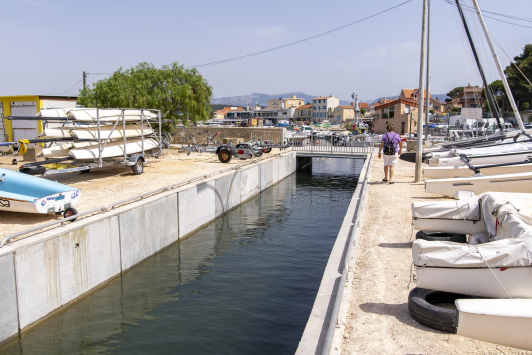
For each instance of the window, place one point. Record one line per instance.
(338, 109)
(407, 109)
(338, 117)
(388, 112)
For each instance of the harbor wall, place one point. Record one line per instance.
(43, 273)
(243, 134)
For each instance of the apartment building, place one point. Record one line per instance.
(303, 113)
(399, 112)
(323, 108)
(281, 103)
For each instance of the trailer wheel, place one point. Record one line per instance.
(69, 212)
(224, 155)
(267, 150)
(138, 168)
(86, 171)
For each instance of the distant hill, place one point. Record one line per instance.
(262, 99)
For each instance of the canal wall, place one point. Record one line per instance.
(43, 273)
(330, 306)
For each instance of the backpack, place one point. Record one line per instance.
(389, 148)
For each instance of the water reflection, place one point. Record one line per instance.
(244, 284)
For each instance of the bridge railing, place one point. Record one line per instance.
(333, 144)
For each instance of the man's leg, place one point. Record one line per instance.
(391, 173)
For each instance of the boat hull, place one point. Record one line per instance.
(50, 204)
(447, 172)
(521, 183)
(449, 225)
(479, 282)
(113, 149)
(499, 321)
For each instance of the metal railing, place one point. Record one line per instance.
(333, 144)
(135, 198)
(273, 137)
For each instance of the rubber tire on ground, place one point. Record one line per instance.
(423, 307)
(69, 212)
(138, 168)
(267, 150)
(32, 170)
(258, 153)
(225, 156)
(86, 171)
(410, 157)
(441, 236)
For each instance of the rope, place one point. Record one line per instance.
(485, 262)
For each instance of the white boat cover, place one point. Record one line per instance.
(53, 112)
(465, 209)
(496, 149)
(90, 114)
(113, 149)
(502, 253)
(507, 215)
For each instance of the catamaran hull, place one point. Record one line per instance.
(50, 204)
(447, 172)
(498, 183)
(479, 282)
(113, 149)
(132, 130)
(449, 225)
(500, 321)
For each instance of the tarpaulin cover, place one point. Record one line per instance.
(465, 209)
(502, 253)
(496, 149)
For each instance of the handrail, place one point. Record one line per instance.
(62, 221)
(333, 322)
(138, 197)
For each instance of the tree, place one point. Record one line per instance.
(455, 93)
(171, 89)
(521, 89)
(362, 111)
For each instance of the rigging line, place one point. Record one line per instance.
(515, 28)
(493, 18)
(511, 60)
(71, 87)
(472, 8)
(296, 42)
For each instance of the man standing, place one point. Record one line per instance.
(393, 146)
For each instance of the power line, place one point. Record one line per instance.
(296, 42)
(71, 87)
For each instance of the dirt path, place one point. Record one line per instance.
(102, 187)
(378, 318)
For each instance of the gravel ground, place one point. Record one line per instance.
(102, 187)
(378, 319)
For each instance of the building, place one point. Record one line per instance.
(28, 105)
(272, 115)
(303, 113)
(221, 114)
(449, 106)
(412, 95)
(400, 112)
(280, 103)
(364, 106)
(322, 108)
(471, 97)
(343, 114)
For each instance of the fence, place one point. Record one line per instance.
(272, 136)
(332, 143)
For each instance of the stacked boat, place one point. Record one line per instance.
(104, 133)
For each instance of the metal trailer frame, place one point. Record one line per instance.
(136, 160)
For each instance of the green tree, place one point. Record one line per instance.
(171, 88)
(362, 111)
(521, 89)
(454, 93)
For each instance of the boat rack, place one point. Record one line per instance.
(135, 161)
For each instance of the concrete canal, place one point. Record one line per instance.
(244, 284)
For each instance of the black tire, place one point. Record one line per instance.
(138, 168)
(86, 171)
(258, 153)
(441, 236)
(424, 307)
(267, 150)
(69, 212)
(224, 155)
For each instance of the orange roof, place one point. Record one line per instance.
(303, 107)
(347, 106)
(363, 105)
(394, 102)
(322, 98)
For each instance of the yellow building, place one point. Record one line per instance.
(279, 103)
(343, 114)
(27, 105)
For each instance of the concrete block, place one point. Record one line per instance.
(37, 270)
(8, 295)
(249, 182)
(147, 228)
(269, 173)
(196, 206)
(227, 192)
(88, 256)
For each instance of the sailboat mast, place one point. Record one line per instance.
(498, 64)
(491, 101)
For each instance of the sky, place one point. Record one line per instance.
(47, 44)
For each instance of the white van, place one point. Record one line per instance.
(506, 126)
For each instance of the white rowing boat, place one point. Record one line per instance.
(520, 182)
(446, 172)
(107, 132)
(105, 115)
(61, 150)
(113, 149)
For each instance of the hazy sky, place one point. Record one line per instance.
(47, 44)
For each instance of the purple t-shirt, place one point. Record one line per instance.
(396, 138)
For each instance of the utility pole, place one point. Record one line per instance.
(84, 81)
(427, 108)
(419, 148)
(355, 103)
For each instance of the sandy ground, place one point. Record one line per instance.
(102, 187)
(378, 319)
